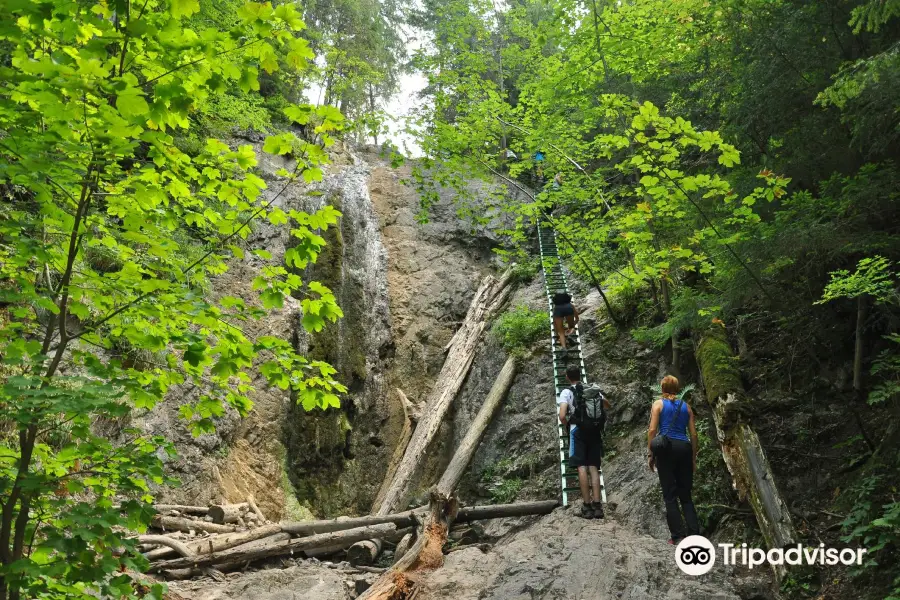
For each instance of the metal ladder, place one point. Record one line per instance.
(554, 281)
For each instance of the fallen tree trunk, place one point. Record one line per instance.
(496, 511)
(239, 556)
(469, 444)
(741, 448)
(427, 551)
(259, 514)
(489, 298)
(181, 524)
(181, 508)
(217, 543)
(301, 528)
(227, 513)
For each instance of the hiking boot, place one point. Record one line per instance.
(587, 511)
(598, 510)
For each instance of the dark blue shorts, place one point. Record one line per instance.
(585, 450)
(563, 310)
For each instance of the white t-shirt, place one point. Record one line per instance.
(567, 397)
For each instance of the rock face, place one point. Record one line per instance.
(562, 556)
(403, 287)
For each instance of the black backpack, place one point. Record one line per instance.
(588, 410)
(562, 298)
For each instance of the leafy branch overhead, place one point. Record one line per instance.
(110, 237)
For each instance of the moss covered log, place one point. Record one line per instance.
(741, 448)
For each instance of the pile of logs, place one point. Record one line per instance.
(193, 543)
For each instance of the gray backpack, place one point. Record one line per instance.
(588, 411)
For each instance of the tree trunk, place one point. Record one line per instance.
(491, 296)
(364, 553)
(427, 551)
(469, 444)
(181, 524)
(261, 549)
(217, 543)
(741, 448)
(403, 547)
(497, 511)
(303, 528)
(227, 513)
(181, 508)
(259, 514)
(862, 313)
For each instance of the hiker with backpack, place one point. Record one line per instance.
(583, 409)
(674, 457)
(564, 314)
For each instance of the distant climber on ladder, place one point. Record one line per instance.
(565, 316)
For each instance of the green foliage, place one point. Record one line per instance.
(502, 482)
(873, 522)
(109, 237)
(505, 491)
(872, 277)
(526, 270)
(518, 329)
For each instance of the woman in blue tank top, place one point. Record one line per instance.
(675, 465)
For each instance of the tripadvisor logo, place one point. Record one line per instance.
(696, 555)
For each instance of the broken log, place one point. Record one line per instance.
(490, 297)
(217, 543)
(171, 544)
(181, 508)
(227, 513)
(301, 528)
(469, 444)
(497, 511)
(740, 445)
(403, 546)
(364, 553)
(259, 514)
(181, 524)
(236, 557)
(427, 551)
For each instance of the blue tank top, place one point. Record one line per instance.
(674, 426)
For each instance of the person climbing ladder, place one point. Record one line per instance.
(565, 316)
(583, 410)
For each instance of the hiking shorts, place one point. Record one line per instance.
(563, 310)
(585, 450)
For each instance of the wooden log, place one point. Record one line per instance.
(181, 508)
(427, 551)
(741, 448)
(497, 511)
(395, 536)
(175, 545)
(181, 524)
(403, 546)
(302, 528)
(490, 297)
(236, 557)
(364, 553)
(217, 543)
(227, 513)
(259, 514)
(463, 456)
